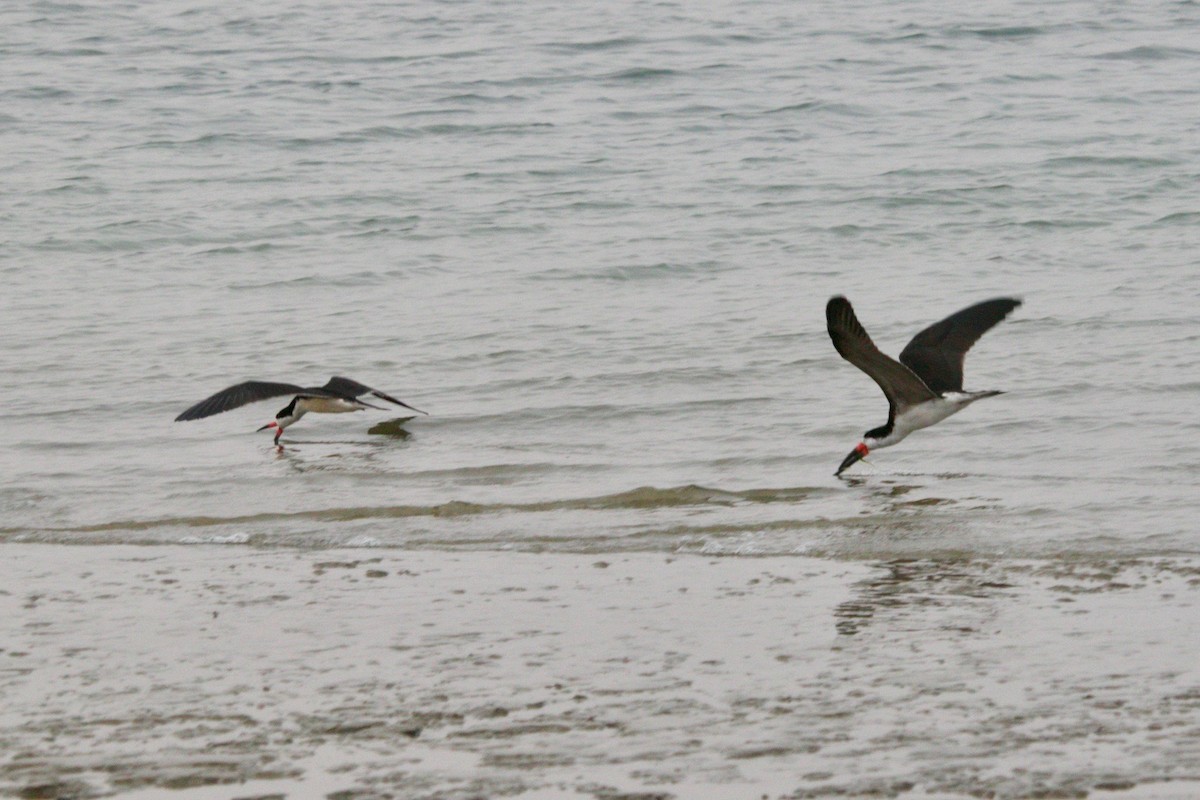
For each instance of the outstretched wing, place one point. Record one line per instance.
(936, 354)
(239, 395)
(899, 384)
(353, 389)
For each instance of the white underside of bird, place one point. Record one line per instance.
(931, 412)
(327, 405)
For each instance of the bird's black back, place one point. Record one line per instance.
(346, 387)
(352, 389)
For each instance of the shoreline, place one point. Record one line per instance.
(220, 672)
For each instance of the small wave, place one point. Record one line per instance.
(641, 498)
(915, 36)
(806, 106)
(1057, 224)
(72, 52)
(1002, 32)
(1180, 217)
(633, 272)
(504, 129)
(1108, 161)
(847, 229)
(360, 278)
(822, 107)
(231, 249)
(1148, 53)
(233, 538)
(618, 43)
(639, 75)
(38, 93)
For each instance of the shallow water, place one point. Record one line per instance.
(408, 674)
(596, 244)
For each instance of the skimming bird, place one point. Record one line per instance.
(925, 385)
(338, 396)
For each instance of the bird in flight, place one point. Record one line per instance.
(339, 396)
(925, 385)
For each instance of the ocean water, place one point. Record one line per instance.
(595, 243)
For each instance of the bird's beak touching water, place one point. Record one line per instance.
(855, 455)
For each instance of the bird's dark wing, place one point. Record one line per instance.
(936, 354)
(900, 385)
(239, 395)
(353, 389)
(346, 387)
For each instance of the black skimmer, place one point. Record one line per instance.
(338, 396)
(925, 385)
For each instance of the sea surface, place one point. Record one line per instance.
(595, 242)
(595, 245)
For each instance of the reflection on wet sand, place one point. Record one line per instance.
(384, 674)
(915, 582)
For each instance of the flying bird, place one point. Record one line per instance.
(339, 396)
(925, 385)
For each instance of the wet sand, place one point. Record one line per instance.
(223, 672)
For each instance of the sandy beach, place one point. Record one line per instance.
(224, 672)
